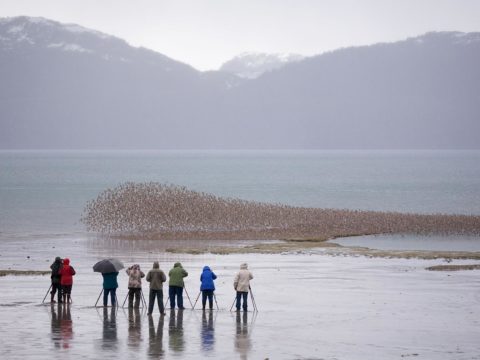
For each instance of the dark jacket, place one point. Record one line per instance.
(176, 275)
(110, 280)
(156, 277)
(207, 278)
(56, 266)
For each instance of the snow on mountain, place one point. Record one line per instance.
(251, 65)
(27, 33)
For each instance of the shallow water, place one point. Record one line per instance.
(46, 191)
(311, 306)
(413, 242)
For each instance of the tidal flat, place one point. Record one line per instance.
(312, 304)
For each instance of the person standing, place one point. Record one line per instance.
(110, 285)
(241, 283)
(156, 278)
(67, 272)
(207, 286)
(56, 277)
(135, 276)
(176, 284)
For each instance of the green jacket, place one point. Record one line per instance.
(176, 275)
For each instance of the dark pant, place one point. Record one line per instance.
(175, 291)
(66, 289)
(207, 294)
(241, 294)
(112, 296)
(151, 301)
(56, 287)
(134, 292)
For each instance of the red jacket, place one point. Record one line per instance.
(66, 273)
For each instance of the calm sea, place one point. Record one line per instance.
(44, 192)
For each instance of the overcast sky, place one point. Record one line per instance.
(206, 33)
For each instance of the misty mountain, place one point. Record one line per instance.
(251, 65)
(64, 86)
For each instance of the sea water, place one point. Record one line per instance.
(356, 307)
(43, 193)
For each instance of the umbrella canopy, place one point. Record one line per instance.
(108, 265)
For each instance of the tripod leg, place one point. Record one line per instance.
(124, 301)
(46, 293)
(233, 303)
(253, 301)
(186, 292)
(196, 299)
(216, 301)
(101, 292)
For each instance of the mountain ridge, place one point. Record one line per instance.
(78, 88)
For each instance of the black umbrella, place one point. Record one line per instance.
(108, 266)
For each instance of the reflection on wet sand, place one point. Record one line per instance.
(242, 337)
(109, 329)
(62, 326)
(134, 327)
(208, 331)
(176, 341)
(155, 344)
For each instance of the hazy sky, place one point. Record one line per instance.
(206, 33)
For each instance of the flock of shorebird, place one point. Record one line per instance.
(161, 208)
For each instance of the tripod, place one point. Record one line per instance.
(255, 308)
(142, 298)
(101, 292)
(214, 296)
(186, 292)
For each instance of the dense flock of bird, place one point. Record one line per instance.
(154, 208)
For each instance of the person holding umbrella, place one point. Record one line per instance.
(109, 269)
(110, 285)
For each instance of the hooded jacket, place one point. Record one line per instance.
(206, 279)
(156, 277)
(66, 273)
(56, 266)
(135, 276)
(242, 279)
(110, 280)
(176, 275)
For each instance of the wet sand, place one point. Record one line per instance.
(312, 305)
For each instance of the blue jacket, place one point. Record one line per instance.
(207, 278)
(110, 280)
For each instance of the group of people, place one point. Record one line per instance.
(62, 280)
(63, 272)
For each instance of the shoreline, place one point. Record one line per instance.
(329, 248)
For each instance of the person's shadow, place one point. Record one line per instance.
(61, 326)
(155, 344)
(208, 331)
(242, 337)
(55, 325)
(134, 327)
(109, 329)
(176, 341)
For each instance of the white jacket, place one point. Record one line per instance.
(242, 279)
